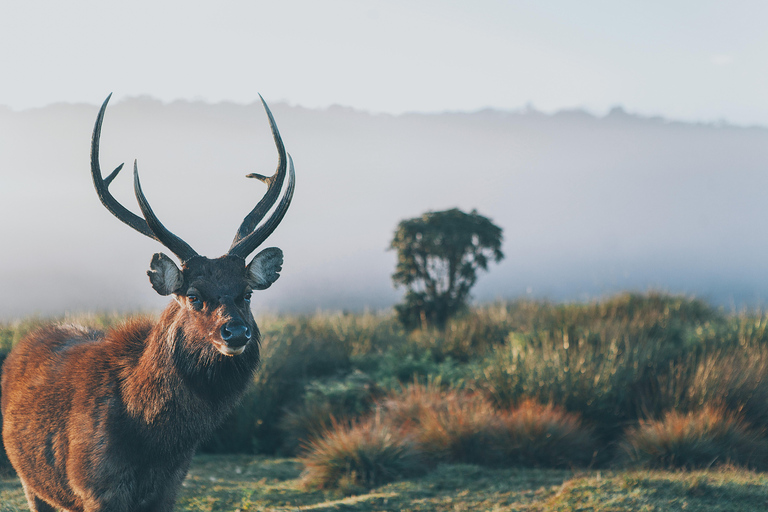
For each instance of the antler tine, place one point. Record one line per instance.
(175, 244)
(102, 185)
(149, 225)
(253, 240)
(247, 239)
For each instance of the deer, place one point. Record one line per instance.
(110, 421)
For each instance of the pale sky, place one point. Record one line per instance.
(695, 60)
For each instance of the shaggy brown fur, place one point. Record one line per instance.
(96, 421)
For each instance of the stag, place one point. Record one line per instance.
(109, 421)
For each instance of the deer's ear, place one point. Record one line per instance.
(165, 276)
(263, 270)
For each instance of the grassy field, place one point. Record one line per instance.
(652, 402)
(247, 483)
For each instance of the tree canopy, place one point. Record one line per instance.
(438, 257)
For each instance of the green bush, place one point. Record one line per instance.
(735, 379)
(466, 337)
(608, 363)
(605, 361)
(392, 369)
(597, 377)
(655, 312)
(326, 401)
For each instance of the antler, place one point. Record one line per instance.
(150, 225)
(248, 238)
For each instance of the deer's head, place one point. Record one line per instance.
(213, 295)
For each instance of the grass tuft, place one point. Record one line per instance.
(536, 435)
(463, 427)
(702, 439)
(363, 453)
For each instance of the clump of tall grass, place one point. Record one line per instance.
(740, 331)
(545, 436)
(363, 453)
(652, 311)
(459, 427)
(324, 402)
(451, 425)
(467, 336)
(736, 380)
(726, 366)
(595, 375)
(609, 362)
(405, 406)
(423, 425)
(603, 360)
(362, 333)
(708, 437)
(407, 364)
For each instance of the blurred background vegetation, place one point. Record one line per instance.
(650, 380)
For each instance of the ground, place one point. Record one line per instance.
(236, 482)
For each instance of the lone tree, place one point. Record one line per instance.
(438, 255)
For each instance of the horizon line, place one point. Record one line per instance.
(528, 109)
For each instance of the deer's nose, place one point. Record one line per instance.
(235, 334)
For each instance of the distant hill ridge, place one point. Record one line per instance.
(590, 204)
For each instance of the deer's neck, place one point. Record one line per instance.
(182, 387)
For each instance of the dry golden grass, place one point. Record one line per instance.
(360, 454)
(702, 439)
(537, 435)
(450, 426)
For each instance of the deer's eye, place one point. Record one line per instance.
(247, 298)
(195, 301)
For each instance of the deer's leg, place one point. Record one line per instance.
(166, 498)
(35, 503)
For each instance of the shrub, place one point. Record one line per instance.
(467, 337)
(545, 436)
(364, 333)
(325, 401)
(605, 360)
(364, 453)
(734, 378)
(711, 436)
(649, 311)
(405, 407)
(459, 426)
(745, 330)
(594, 375)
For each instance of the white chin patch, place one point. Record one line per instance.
(229, 351)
